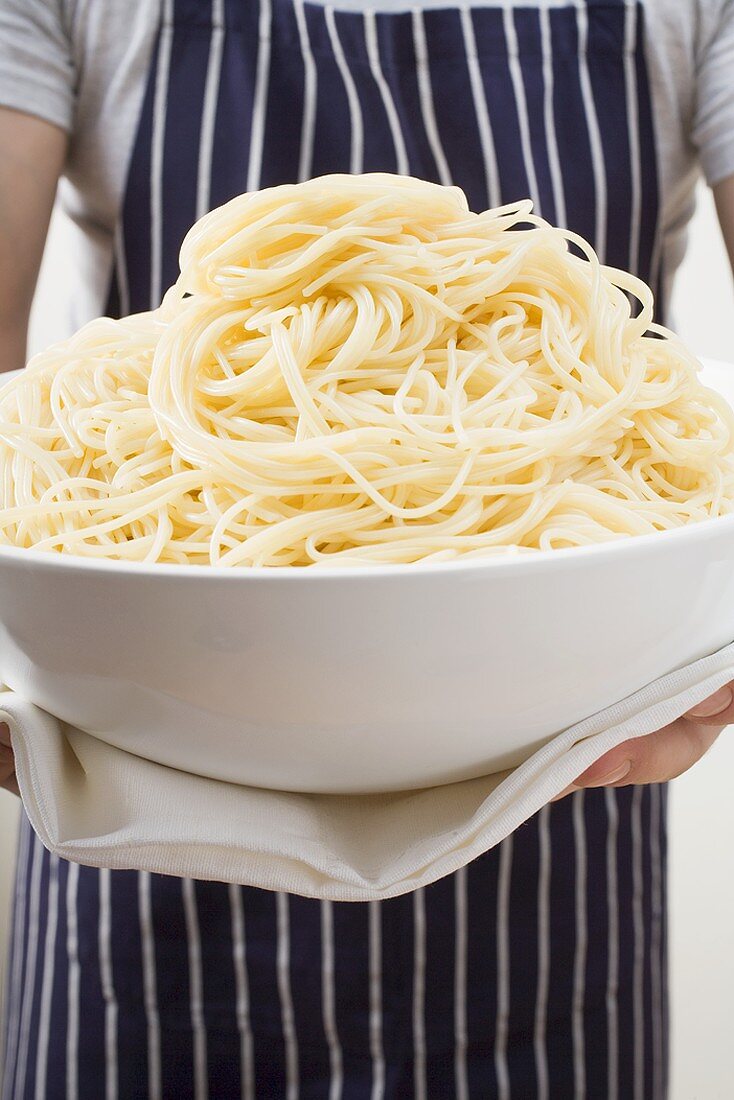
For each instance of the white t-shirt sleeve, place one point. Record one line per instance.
(36, 62)
(713, 119)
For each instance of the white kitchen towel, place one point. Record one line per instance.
(98, 805)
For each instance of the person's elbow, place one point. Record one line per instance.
(724, 195)
(33, 153)
(13, 335)
(15, 310)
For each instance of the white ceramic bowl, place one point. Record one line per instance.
(362, 679)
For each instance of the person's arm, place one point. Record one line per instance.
(671, 751)
(724, 195)
(33, 153)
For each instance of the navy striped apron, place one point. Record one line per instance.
(538, 970)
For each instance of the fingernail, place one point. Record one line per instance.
(611, 777)
(715, 704)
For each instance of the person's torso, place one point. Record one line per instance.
(582, 105)
(539, 969)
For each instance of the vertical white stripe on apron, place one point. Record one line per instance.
(582, 936)
(260, 104)
(310, 77)
(656, 942)
(610, 796)
(156, 154)
(460, 944)
(327, 996)
(73, 979)
(14, 991)
(242, 993)
(638, 1011)
(656, 265)
(503, 969)
(47, 983)
(209, 108)
(123, 287)
(505, 869)
(375, 979)
(356, 160)
(426, 97)
(419, 994)
(518, 87)
(592, 123)
(554, 160)
(29, 978)
(373, 53)
(283, 962)
(108, 984)
(541, 997)
(150, 992)
(486, 139)
(196, 989)
(633, 128)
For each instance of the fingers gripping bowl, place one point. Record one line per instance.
(373, 390)
(363, 679)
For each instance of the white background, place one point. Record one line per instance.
(702, 817)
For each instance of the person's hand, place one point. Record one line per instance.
(7, 761)
(666, 754)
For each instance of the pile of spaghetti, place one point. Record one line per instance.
(358, 369)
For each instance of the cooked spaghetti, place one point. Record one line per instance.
(357, 369)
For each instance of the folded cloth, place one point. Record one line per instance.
(98, 805)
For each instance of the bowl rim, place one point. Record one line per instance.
(526, 562)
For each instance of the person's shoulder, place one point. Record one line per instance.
(690, 12)
(691, 24)
(89, 23)
(36, 67)
(703, 13)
